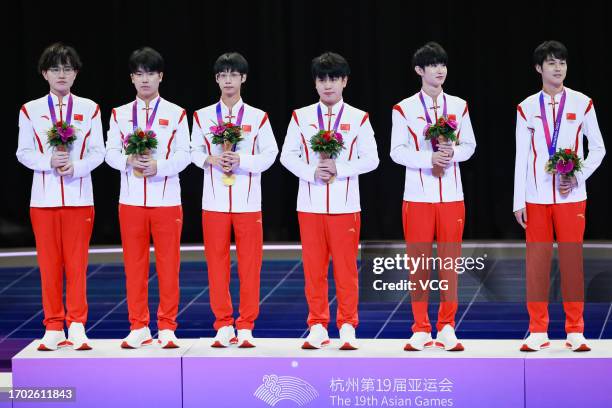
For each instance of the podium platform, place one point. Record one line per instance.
(575, 379)
(278, 373)
(380, 373)
(107, 376)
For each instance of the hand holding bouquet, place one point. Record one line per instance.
(140, 143)
(328, 144)
(565, 163)
(441, 133)
(228, 135)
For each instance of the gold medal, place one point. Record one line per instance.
(228, 180)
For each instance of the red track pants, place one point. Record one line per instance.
(336, 235)
(62, 243)
(567, 221)
(248, 230)
(423, 221)
(137, 225)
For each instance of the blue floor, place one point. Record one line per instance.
(283, 309)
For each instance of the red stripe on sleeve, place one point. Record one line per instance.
(520, 110)
(351, 151)
(414, 136)
(39, 143)
(577, 139)
(115, 115)
(589, 107)
(84, 142)
(535, 159)
(169, 144)
(294, 115)
(305, 149)
(399, 109)
(96, 112)
(207, 146)
(182, 116)
(465, 111)
(364, 119)
(263, 121)
(25, 111)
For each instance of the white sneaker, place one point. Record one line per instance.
(577, 342)
(167, 339)
(225, 336)
(52, 340)
(447, 339)
(347, 337)
(137, 338)
(419, 341)
(77, 337)
(536, 342)
(317, 337)
(245, 338)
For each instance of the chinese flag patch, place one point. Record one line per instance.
(570, 116)
(246, 128)
(345, 127)
(163, 122)
(452, 116)
(78, 116)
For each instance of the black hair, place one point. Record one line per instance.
(146, 58)
(59, 54)
(549, 49)
(330, 64)
(231, 61)
(431, 53)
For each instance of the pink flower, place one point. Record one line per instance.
(65, 134)
(452, 124)
(151, 134)
(427, 126)
(338, 137)
(217, 130)
(564, 167)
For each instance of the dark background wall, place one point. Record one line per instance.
(489, 47)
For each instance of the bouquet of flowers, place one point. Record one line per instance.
(327, 143)
(440, 132)
(140, 142)
(228, 135)
(564, 162)
(61, 136)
